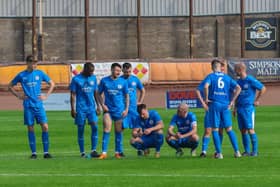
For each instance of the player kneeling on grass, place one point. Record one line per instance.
(186, 136)
(147, 131)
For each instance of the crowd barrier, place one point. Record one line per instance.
(150, 72)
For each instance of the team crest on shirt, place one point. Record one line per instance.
(37, 78)
(119, 86)
(188, 121)
(91, 83)
(246, 86)
(133, 83)
(151, 122)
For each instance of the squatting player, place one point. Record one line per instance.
(147, 131)
(186, 135)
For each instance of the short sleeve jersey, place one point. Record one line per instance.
(185, 124)
(220, 87)
(153, 120)
(133, 84)
(31, 83)
(114, 91)
(249, 85)
(84, 87)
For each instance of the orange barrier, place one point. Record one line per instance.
(60, 74)
(194, 71)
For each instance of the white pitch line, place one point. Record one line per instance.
(130, 175)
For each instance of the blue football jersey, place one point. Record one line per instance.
(220, 87)
(31, 85)
(249, 85)
(185, 124)
(114, 91)
(152, 121)
(133, 84)
(84, 87)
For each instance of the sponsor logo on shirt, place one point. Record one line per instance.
(119, 86)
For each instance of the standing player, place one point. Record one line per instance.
(115, 108)
(147, 131)
(207, 125)
(186, 135)
(31, 81)
(218, 94)
(83, 89)
(134, 84)
(245, 108)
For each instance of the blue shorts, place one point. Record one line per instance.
(81, 117)
(31, 113)
(246, 117)
(152, 140)
(129, 120)
(185, 142)
(115, 116)
(219, 115)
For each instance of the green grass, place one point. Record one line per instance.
(68, 169)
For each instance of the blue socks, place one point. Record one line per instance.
(159, 142)
(216, 139)
(137, 146)
(246, 142)
(205, 143)
(32, 141)
(254, 140)
(81, 138)
(94, 137)
(118, 142)
(233, 140)
(173, 143)
(105, 141)
(45, 140)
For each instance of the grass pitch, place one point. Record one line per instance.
(68, 169)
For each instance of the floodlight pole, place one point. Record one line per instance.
(242, 26)
(139, 45)
(86, 28)
(34, 38)
(191, 28)
(40, 36)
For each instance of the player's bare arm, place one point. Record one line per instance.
(124, 113)
(141, 97)
(12, 89)
(156, 128)
(72, 103)
(260, 93)
(50, 90)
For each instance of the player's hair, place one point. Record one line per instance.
(240, 66)
(215, 63)
(30, 59)
(115, 65)
(126, 65)
(140, 107)
(88, 69)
